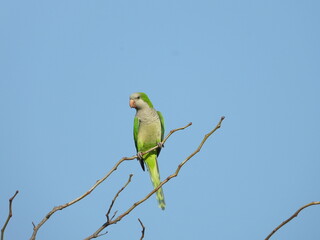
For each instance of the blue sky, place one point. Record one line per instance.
(68, 68)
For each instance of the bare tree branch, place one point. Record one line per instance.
(9, 215)
(292, 217)
(106, 224)
(115, 198)
(143, 229)
(55, 209)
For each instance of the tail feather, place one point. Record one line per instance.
(152, 165)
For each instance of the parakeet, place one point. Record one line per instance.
(148, 131)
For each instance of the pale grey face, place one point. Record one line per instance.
(137, 102)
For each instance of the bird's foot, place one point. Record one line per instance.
(160, 145)
(139, 155)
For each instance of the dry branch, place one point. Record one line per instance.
(143, 229)
(55, 209)
(175, 174)
(290, 218)
(9, 215)
(115, 198)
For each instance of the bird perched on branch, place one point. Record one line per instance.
(148, 132)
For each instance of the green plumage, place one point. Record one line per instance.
(148, 131)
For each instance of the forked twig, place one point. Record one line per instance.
(115, 198)
(143, 229)
(292, 217)
(9, 215)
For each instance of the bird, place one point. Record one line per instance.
(148, 132)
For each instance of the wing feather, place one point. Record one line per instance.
(136, 125)
(162, 129)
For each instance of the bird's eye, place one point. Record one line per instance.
(138, 97)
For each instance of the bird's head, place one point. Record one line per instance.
(140, 100)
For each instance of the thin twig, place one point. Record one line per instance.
(9, 215)
(292, 217)
(114, 214)
(143, 229)
(55, 209)
(115, 198)
(161, 184)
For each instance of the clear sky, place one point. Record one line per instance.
(67, 69)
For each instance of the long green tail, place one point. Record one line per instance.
(152, 165)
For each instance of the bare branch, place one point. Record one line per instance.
(115, 213)
(161, 184)
(143, 229)
(292, 217)
(9, 215)
(55, 209)
(115, 198)
(97, 233)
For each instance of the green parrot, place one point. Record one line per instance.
(148, 131)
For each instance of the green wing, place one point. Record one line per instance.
(136, 125)
(162, 129)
